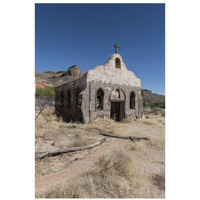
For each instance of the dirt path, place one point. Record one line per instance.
(79, 165)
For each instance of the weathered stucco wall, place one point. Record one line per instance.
(108, 73)
(90, 98)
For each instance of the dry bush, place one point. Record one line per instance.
(127, 121)
(137, 146)
(159, 180)
(146, 121)
(157, 144)
(47, 129)
(150, 120)
(106, 126)
(113, 176)
(42, 167)
(48, 165)
(49, 112)
(149, 123)
(119, 162)
(82, 140)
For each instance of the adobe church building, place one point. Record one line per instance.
(107, 91)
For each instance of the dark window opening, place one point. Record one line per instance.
(100, 96)
(132, 100)
(69, 99)
(62, 99)
(77, 97)
(117, 63)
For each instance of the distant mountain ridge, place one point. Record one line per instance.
(50, 78)
(148, 96)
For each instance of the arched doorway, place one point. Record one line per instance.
(117, 109)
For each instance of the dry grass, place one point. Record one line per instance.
(157, 144)
(62, 137)
(40, 170)
(114, 176)
(83, 140)
(137, 146)
(159, 180)
(143, 145)
(150, 120)
(117, 174)
(51, 136)
(49, 112)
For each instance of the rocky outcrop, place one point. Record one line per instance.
(152, 97)
(50, 78)
(36, 72)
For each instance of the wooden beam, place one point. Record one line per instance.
(70, 149)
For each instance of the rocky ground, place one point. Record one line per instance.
(118, 168)
(152, 97)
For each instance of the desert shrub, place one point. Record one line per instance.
(40, 170)
(47, 91)
(49, 112)
(127, 121)
(82, 141)
(158, 105)
(113, 176)
(157, 144)
(159, 180)
(153, 105)
(119, 162)
(137, 146)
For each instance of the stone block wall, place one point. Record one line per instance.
(89, 99)
(87, 111)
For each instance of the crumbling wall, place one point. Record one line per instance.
(108, 77)
(72, 112)
(110, 73)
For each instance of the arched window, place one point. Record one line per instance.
(61, 99)
(132, 100)
(117, 93)
(69, 99)
(77, 97)
(100, 96)
(117, 63)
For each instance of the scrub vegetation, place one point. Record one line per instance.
(118, 168)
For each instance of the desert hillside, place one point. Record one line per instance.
(152, 97)
(50, 78)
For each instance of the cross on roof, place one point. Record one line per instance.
(116, 47)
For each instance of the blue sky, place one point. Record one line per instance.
(84, 34)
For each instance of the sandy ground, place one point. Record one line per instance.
(150, 155)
